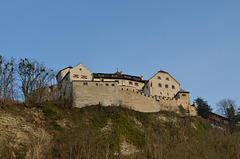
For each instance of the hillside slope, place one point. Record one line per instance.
(48, 131)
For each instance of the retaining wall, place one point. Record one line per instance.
(110, 94)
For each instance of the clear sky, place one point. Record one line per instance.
(197, 42)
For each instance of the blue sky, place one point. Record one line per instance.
(197, 42)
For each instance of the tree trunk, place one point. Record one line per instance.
(1, 83)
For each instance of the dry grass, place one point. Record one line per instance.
(111, 132)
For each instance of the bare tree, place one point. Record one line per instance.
(29, 71)
(13, 88)
(44, 80)
(2, 59)
(8, 78)
(225, 105)
(33, 75)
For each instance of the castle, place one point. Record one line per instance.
(83, 88)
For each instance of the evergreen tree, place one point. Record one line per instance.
(231, 114)
(203, 108)
(238, 115)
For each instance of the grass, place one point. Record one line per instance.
(20, 152)
(82, 136)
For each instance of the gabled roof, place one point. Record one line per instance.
(183, 91)
(70, 67)
(163, 72)
(64, 69)
(219, 116)
(65, 76)
(82, 65)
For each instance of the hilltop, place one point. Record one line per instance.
(49, 131)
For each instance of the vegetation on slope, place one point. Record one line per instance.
(49, 131)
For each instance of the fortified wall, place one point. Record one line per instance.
(111, 94)
(81, 87)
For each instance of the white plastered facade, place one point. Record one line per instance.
(162, 84)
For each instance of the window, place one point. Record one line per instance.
(136, 84)
(85, 83)
(80, 69)
(159, 85)
(107, 85)
(160, 93)
(173, 87)
(183, 94)
(130, 83)
(114, 75)
(75, 76)
(113, 85)
(147, 87)
(167, 79)
(83, 77)
(158, 77)
(96, 84)
(168, 94)
(166, 86)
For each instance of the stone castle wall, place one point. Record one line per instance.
(110, 94)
